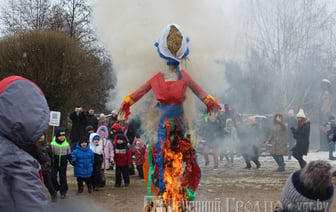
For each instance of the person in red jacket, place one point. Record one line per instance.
(122, 159)
(139, 150)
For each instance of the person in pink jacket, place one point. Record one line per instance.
(108, 152)
(139, 150)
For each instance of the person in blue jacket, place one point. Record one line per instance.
(83, 159)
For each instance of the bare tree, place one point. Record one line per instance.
(287, 34)
(21, 15)
(77, 15)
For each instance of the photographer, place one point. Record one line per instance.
(78, 126)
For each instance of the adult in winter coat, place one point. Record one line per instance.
(278, 139)
(301, 134)
(24, 116)
(91, 119)
(78, 120)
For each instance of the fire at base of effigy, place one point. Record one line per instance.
(179, 163)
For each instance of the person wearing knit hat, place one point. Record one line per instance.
(123, 160)
(301, 134)
(301, 114)
(114, 131)
(62, 154)
(83, 159)
(59, 131)
(309, 189)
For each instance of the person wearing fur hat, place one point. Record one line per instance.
(169, 87)
(301, 134)
(62, 154)
(108, 152)
(123, 160)
(102, 120)
(309, 189)
(82, 160)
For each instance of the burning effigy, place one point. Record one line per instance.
(174, 171)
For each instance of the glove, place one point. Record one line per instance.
(292, 129)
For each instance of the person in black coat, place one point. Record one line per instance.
(78, 126)
(301, 134)
(91, 119)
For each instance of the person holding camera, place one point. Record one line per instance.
(78, 120)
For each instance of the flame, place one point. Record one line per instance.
(174, 157)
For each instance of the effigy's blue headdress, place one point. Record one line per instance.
(164, 52)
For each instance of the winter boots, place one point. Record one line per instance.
(89, 188)
(80, 189)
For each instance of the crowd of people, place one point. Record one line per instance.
(228, 134)
(95, 145)
(106, 146)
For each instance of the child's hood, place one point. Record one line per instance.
(104, 128)
(91, 137)
(78, 146)
(138, 140)
(24, 111)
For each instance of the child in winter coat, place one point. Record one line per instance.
(62, 154)
(97, 149)
(230, 141)
(139, 152)
(123, 160)
(46, 167)
(108, 153)
(83, 160)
